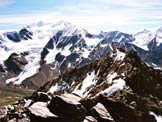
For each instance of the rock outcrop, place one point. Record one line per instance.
(15, 62)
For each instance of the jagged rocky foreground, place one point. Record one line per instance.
(115, 88)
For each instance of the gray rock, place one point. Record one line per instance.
(68, 106)
(89, 119)
(3, 112)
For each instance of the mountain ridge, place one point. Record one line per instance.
(70, 46)
(115, 91)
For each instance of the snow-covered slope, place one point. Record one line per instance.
(144, 38)
(84, 80)
(71, 46)
(34, 38)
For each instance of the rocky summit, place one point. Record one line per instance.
(116, 88)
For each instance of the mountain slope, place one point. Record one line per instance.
(52, 48)
(111, 89)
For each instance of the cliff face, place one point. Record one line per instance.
(115, 88)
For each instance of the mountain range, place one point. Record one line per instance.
(82, 77)
(118, 87)
(41, 51)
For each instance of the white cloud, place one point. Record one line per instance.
(131, 3)
(29, 18)
(4, 3)
(93, 14)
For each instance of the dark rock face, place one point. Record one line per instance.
(59, 57)
(114, 36)
(46, 73)
(23, 34)
(70, 102)
(101, 113)
(40, 96)
(121, 112)
(89, 119)
(60, 41)
(2, 69)
(15, 62)
(140, 74)
(14, 36)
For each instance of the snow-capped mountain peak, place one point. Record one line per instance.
(158, 36)
(67, 40)
(145, 37)
(71, 46)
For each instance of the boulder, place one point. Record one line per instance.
(67, 106)
(101, 113)
(15, 62)
(40, 96)
(88, 103)
(89, 119)
(40, 113)
(2, 69)
(3, 112)
(40, 109)
(123, 112)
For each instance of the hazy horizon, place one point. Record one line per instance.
(93, 15)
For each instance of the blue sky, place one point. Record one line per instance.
(94, 15)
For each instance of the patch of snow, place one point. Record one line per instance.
(58, 87)
(159, 40)
(117, 85)
(87, 82)
(111, 76)
(40, 109)
(119, 39)
(66, 51)
(27, 102)
(143, 38)
(51, 55)
(78, 59)
(157, 117)
(69, 65)
(55, 88)
(69, 30)
(103, 45)
(91, 41)
(119, 56)
(123, 74)
(86, 53)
